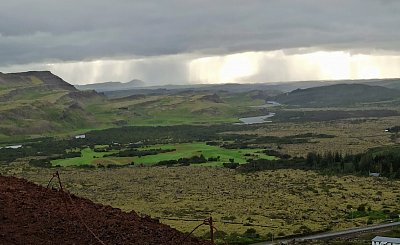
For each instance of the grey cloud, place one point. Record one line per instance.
(37, 31)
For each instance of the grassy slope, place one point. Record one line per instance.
(41, 104)
(184, 108)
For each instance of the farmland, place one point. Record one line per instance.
(181, 151)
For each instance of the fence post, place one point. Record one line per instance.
(211, 229)
(59, 180)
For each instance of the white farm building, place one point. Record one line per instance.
(380, 240)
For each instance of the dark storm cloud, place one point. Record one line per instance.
(41, 30)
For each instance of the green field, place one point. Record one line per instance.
(87, 157)
(182, 150)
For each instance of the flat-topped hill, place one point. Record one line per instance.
(44, 79)
(338, 95)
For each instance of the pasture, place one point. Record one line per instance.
(183, 150)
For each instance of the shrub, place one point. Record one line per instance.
(231, 165)
(44, 163)
(361, 208)
(251, 233)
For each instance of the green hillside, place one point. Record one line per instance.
(171, 109)
(338, 95)
(39, 103)
(44, 79)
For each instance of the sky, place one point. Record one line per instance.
(201, 41)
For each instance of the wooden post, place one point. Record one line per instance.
(211, 229)
(59, 180)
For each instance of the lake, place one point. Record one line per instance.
(254, 120)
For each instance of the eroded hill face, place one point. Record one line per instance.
(38, 102)
(43, 79)
(31, 214)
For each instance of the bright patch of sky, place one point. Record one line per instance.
(181, 41)
(247, 67)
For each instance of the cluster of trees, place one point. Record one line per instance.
(329, 115)
(275, 153)
(139, 153)
(248, 141)
(231, 165)
(46, 161)
(183, 161)
(149, 135)
(265, 164)
(384, 160)
(42, 148)
(330, 160)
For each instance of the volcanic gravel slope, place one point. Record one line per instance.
(32, 214)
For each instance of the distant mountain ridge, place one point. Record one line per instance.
(112, 86)
(337, 95)
(117, 92)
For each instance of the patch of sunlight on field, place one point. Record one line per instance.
(185, 150)
(192, 149)
(88, 155)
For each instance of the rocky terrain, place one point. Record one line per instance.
(32, 214)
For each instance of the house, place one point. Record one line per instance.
(11, 147)
(374, 174)
(380, 240)
(81, 136)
